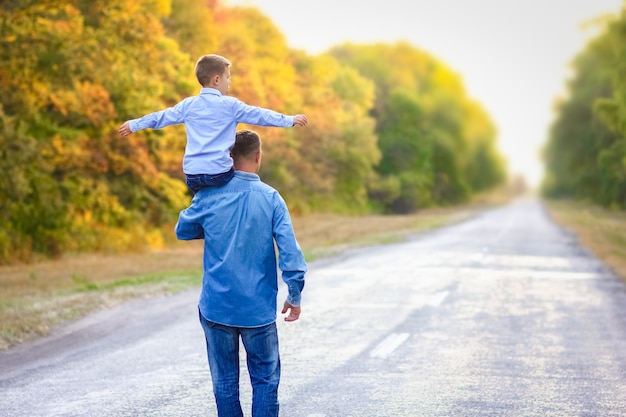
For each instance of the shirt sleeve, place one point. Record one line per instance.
(259, 116)
(189, 225)
(290, 258)
(170, 116)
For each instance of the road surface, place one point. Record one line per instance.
(502, 315)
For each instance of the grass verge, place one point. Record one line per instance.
(38, 296)
(600, 230)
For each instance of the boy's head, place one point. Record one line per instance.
(246, 152)
(213, 71)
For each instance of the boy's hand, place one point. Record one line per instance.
(124, 129)
(300, 120)
(294, 312)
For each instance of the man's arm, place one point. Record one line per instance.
(294, 312)
(290, 259)
(189, 225)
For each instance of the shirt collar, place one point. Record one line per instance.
(208, 90)
(247, 176)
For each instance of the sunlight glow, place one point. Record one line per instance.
(513, 56)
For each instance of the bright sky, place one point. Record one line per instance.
(513, 55)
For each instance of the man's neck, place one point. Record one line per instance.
(249, 168)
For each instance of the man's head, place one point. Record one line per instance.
(246, 152)
(213, 71)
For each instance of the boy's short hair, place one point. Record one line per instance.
(209, 66)
(247, 144)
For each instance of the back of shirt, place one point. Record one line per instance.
(240, 222)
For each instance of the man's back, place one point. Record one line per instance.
(239, 223)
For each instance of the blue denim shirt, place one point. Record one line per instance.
(240, 222)
(210, 120)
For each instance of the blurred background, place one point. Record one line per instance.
(411, 105)
(513, 57)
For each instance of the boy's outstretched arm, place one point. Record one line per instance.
(300, 120)
(124, 129)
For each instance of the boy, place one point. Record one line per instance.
(211, 120)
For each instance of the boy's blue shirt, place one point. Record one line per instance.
(239, 223)
(211, 121)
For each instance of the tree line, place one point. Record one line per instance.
(585, 155)
(391, 128)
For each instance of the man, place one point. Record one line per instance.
(239, 223)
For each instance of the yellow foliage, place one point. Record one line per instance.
(161, 8)
(84, 103)
(262, 72)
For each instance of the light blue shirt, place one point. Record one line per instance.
(210, 120)
(240, 222)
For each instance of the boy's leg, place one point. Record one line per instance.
(196, 182)
(263, 359)
(222, 344)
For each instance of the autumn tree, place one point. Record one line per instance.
(323, 166)
(390, 127)
(69, 72)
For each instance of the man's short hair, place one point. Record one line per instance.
(208, 66)
(247, 144)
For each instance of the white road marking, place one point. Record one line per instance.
(316, 415)
(438, 298)
(388, 345)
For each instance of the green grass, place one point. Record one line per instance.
(36, 297)
(31, 316)
(601, 230)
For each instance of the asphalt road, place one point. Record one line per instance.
(502, 315)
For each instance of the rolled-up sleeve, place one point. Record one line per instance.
(290, 257)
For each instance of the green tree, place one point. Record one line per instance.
(586, 154)
(429, 152)
(72, 71)
(325, 165)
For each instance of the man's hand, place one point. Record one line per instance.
(300, 120)
(124, 129)
(294, 312)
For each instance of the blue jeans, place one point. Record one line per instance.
(261, 344)
(196, 182)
